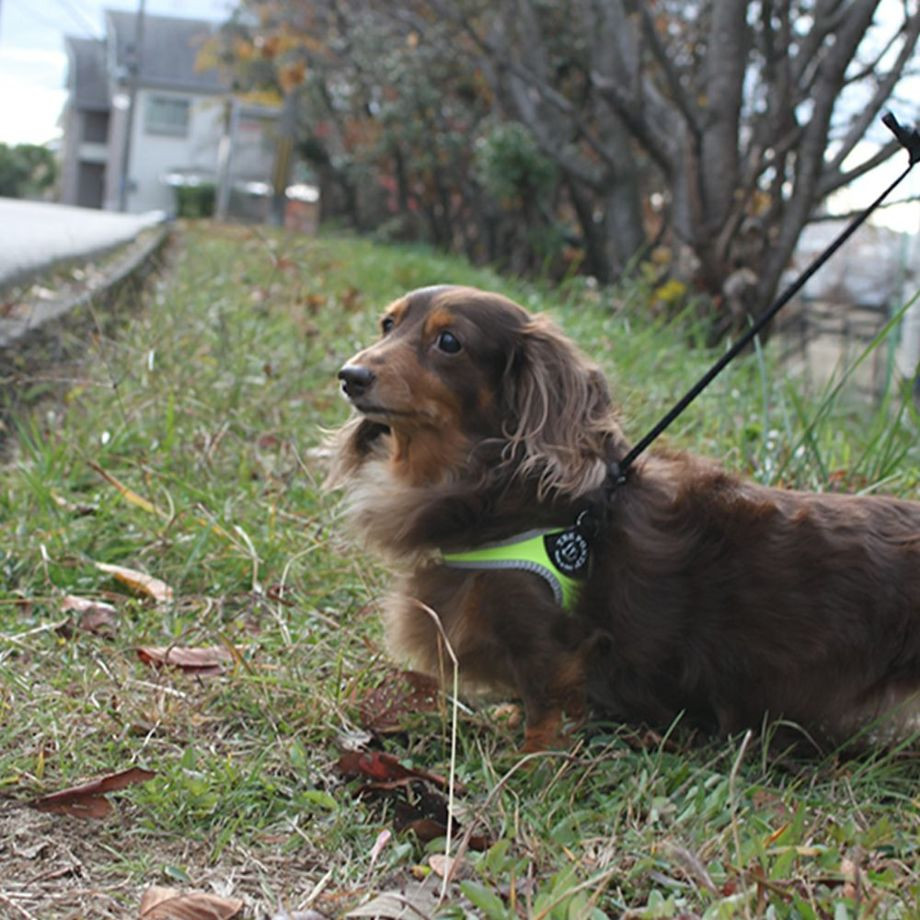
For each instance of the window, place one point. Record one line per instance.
(95, 127)
(166, 115)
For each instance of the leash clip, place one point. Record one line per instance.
(909, 139)
(587, 524)
(616, 475)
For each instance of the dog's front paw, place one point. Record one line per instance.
(546, 735)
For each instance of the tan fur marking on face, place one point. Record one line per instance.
(397, 310)
(439, 319)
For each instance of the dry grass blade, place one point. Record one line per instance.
(127, 493)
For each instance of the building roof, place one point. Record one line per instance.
(86, 78)
(169, 51)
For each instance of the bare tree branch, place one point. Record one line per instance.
(830, 182)
(685, 105)
(810, 153)
(828, 16)
(849, 215)
(885, 85)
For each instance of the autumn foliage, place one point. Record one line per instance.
(689, 143)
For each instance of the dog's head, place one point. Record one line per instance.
(462, 377)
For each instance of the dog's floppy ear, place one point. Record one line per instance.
(561, 427)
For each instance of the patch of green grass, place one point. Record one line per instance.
(207, 407)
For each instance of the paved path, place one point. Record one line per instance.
(35, 234)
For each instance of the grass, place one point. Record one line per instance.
(203, 404)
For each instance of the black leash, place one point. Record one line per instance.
(618, 470)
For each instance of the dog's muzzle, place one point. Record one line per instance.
(356, 380)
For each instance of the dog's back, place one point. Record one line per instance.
(744, 601)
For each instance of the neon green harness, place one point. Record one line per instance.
(543, 552)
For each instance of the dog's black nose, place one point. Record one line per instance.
(356, 379)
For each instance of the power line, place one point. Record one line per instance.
(79, 17)
(35, 16)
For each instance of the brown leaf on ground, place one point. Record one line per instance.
(428, 829)
(417, 807)
(95, 617)
(386, 771)
(401, 694)
(88, 799)
(412, 900)
(211, 660)
(444, 866)
(139, 581)
(159, 903)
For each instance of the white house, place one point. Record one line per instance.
(173, 129)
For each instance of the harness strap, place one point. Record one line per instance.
(560, 557)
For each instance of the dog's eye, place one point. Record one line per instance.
(387, 324)
(448, 343)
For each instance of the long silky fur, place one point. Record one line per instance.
(552, 386)
(721, 599)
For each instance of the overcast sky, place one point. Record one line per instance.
(33, 64)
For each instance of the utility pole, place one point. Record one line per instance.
(231, 121)
(134, 70)
(281, 172)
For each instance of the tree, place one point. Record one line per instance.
(402, 133)
(692, 138)
(26, 170)
(719, 125)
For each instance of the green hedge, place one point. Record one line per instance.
(196, 200)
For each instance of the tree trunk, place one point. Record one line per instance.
(592, 232)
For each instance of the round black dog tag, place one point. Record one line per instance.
(569, 552)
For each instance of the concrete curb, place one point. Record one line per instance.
(17, 333)
(43, 234)
(34, 348)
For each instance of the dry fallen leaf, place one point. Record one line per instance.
(413, 900)
(401, 694)
(96, 617)
(88, 799)
(416, 806)
(426, 829)
(383, 838)
(444, 866)
(139, 581)
(386, 771)
(170, 904)
(211, 660)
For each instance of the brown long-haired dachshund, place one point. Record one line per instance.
(476, 464)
